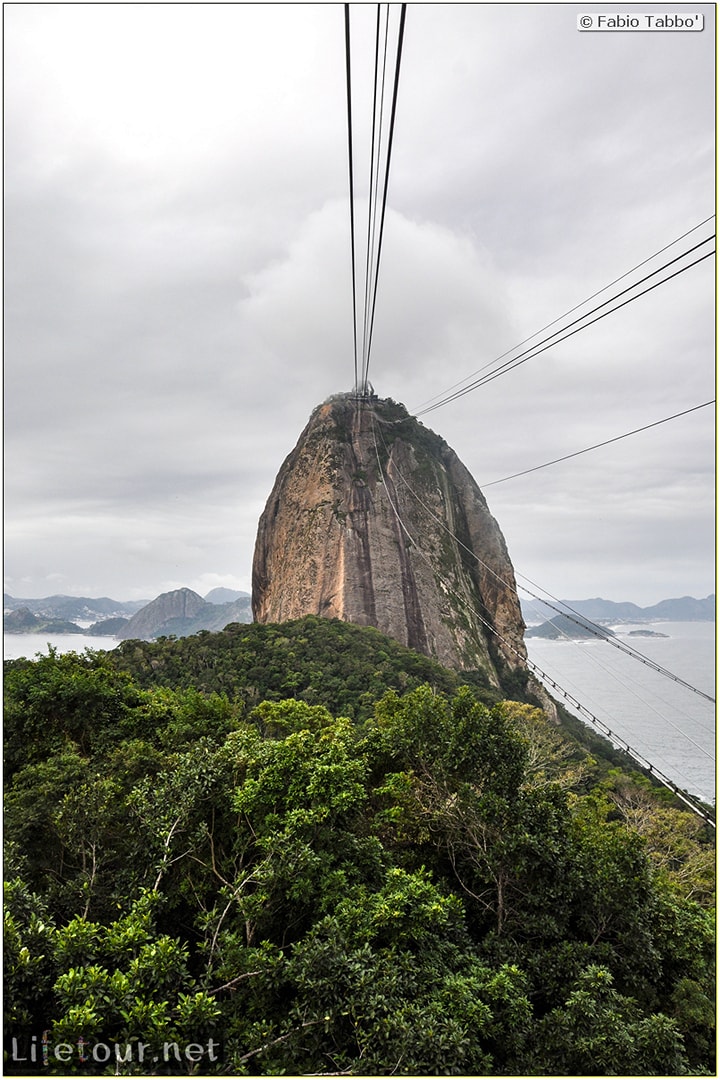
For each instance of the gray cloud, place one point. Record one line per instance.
(178, 280)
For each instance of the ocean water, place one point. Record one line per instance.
(669, 725)
(17, 645)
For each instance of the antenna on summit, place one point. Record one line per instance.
(365, 392)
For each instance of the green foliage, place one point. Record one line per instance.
(598, 1031)
(424, 883)
(673, 838)
(344, 667)
(57, 699)
(125, 981)
(27, 939)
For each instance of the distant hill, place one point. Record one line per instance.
(225, 596)
(681, 609)
(183, 612)
(23, 621)
(565, 627)
(684, 609)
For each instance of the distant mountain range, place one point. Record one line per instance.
(680, 609)
(74, 607)
(181, 612)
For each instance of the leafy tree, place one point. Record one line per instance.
(599, 1031)
(676, 840)
(428, 884)
(27, 935)
(56, 699)
(128, 984)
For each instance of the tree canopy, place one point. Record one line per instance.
(249, 883)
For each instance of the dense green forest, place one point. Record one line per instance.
(302, 849)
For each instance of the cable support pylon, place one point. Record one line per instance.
(530, 665)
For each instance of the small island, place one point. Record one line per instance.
(569, 626)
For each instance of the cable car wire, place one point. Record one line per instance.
(575, 616)
(526, 662)
(615, 675)
(582, 303)
(401, 33)
(376, 139)
(534, 350)
(607, 442)
(373, 254)
(352, 192)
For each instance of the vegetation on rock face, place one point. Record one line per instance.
(434, 885)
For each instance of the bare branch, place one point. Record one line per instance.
(235, 981)
(342, 1072)
(280, 1038)
(233, 898)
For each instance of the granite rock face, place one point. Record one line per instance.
(374, 520)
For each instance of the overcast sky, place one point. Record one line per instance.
(178, 291)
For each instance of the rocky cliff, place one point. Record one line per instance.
(374, 520)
